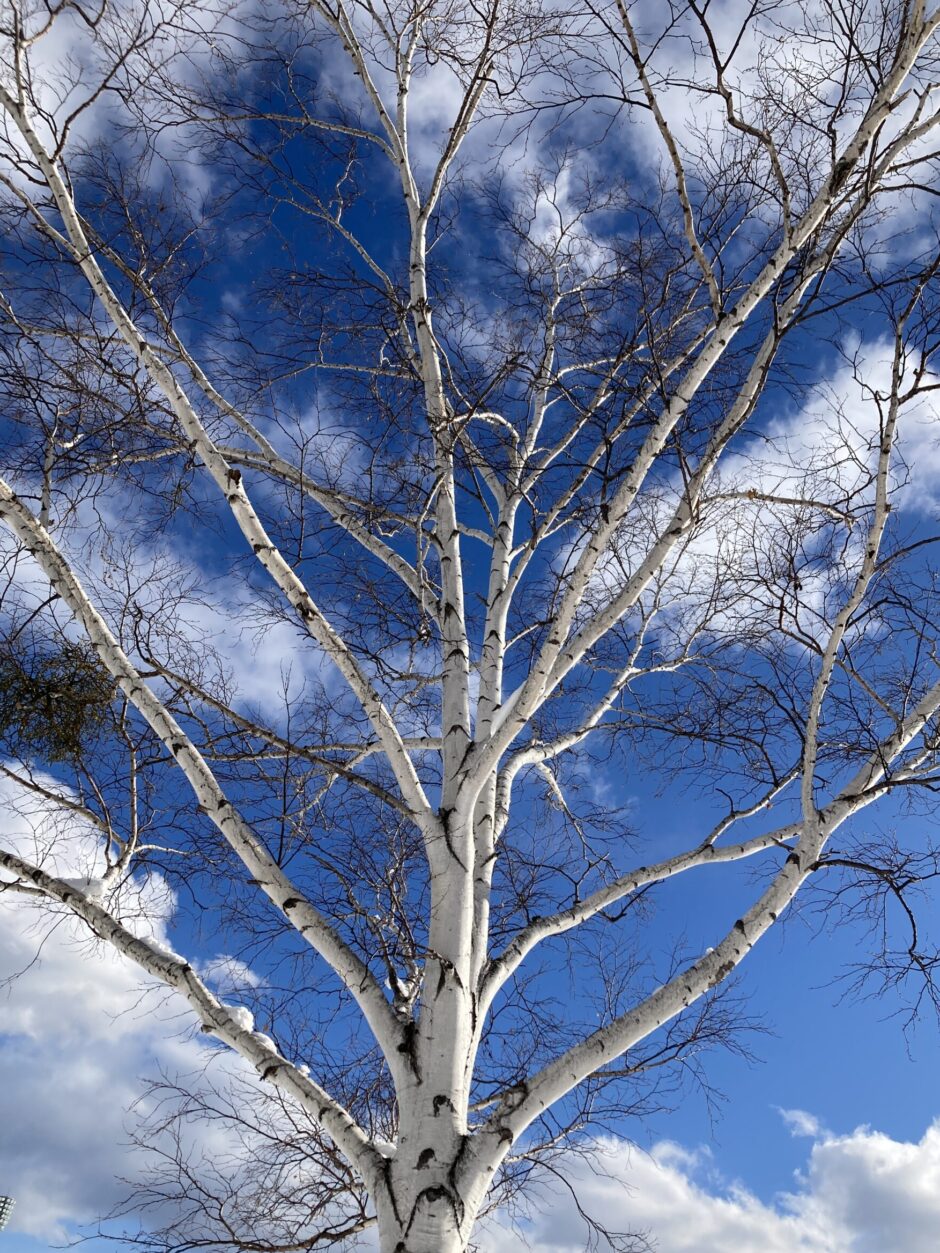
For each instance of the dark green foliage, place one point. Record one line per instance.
(52, 700)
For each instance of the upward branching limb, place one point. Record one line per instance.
(342, 514)
(520, 1107)
(870, 559)
(682, 188)
(273, 881)
(339, 758)
(761, 133)
(228, 480)
(503, 966)
(264, 456)
(558, 655)
(215, 1016)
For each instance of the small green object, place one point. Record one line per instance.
(52, 701)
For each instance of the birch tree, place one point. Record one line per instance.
(475, 357)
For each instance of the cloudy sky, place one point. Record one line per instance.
(828, 1141)
(77, 1038)
(829, 1144)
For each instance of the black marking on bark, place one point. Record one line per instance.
(515, 1096)
(840, 173)
(739, 925)
(291, 903)
(722, 972)
(794, 857)
(452, 1174)
(444, 814)
(424, 1157)
(407, 1047)
(440, 1102)
(436, 1192)
(386, 1169)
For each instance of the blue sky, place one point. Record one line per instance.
(75, 1056)
(826, 1140)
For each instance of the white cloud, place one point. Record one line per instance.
(801, 1123)
(884, 1193)
(227, 974)
(760, 551)
(859, 1193)
(78, 1024)
(82, 1031)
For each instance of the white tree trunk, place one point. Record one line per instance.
(432, 1228)
(428, 1204)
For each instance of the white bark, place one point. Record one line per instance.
(430, 1184)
